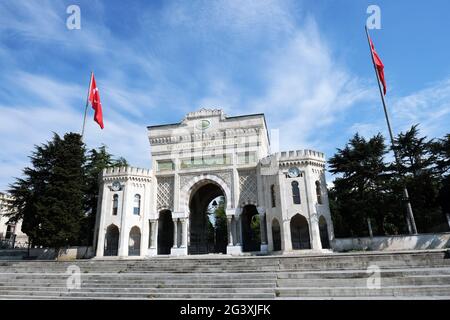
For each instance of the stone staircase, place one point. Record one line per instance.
(403, 275)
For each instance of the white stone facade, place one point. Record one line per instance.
(206, 155)
(7, 229)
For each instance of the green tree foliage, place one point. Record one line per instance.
(417, 165)
(49, 198)
(441, 149)
(369, 187)
(57, 196)
(255, 225)
(219, 233)
(361, 191)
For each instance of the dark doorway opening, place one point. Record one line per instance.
(251, 234)
(112, 241)
(165, 232)
(323, 228)
(276, 235)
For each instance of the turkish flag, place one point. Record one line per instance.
(94, 99)
(379, 65)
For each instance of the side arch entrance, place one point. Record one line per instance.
(165, 232)
(112, 241)
(300, 233)
(251, 233)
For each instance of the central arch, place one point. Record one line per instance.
(207, 224)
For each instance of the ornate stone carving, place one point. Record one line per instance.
(203, 113)
(226, 176)
(248, 190)
(164, 198)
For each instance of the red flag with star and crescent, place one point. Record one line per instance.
(379, 65)
(94, 99)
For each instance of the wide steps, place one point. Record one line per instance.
(330, 276)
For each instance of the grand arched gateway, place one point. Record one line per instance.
(215, 187)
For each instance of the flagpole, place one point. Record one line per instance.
(411, 222)
(85, 109)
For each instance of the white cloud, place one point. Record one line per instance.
(242, 18)
(306, 90)
(60, 109)
(429, 107)
(301, 87)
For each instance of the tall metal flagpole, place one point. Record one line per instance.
(87, 104)
(411, 222)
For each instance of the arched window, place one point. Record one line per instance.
(137, 205)
(272, 196)
(318, 193)
(295, 192)
(115, 204)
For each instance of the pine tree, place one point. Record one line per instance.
(60, 207)
(441, 150)
(27, 191)
(362, 190)
(417, 167)
(49, 198)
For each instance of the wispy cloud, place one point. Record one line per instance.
(169, 59)
(429, 107)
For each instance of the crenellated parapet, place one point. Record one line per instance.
(127, 173)
(301, 157)
(301, 154)
(295, 157)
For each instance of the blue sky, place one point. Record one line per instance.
(305, 64)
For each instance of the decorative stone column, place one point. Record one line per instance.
(286, 236)
(237, 223)
(175, 233)
(230, 231)
(232, 248)
(316, 244)
(153, 233)
(180, 225)
(263, 229)
(184, 232)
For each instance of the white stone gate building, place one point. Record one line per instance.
(161, 211)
